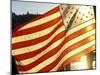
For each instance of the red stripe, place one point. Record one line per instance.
(56, 9)
(31, 54)
(52, 11)
(77, 56)
(73, 58)
(34, 53)
(52, 52)
(41, 59)
(53, 64)
(49, 54)
(36, 28)
(35, 41)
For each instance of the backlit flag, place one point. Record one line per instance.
(79, 20)
(47, 44)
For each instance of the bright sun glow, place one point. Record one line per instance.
(81, 64)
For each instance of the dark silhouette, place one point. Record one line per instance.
(19, 19)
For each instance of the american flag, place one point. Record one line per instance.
(47, 43)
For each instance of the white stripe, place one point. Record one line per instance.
(54, 45)
(48, 61)
(30, 60)
(36, 46)
(41, 21)
(88, 23)
(35, 35)
(76, 51)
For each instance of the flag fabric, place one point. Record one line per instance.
(47, 44)
(82, 19)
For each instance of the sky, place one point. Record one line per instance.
(21, 7)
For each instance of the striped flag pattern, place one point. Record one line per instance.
(45, 45)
